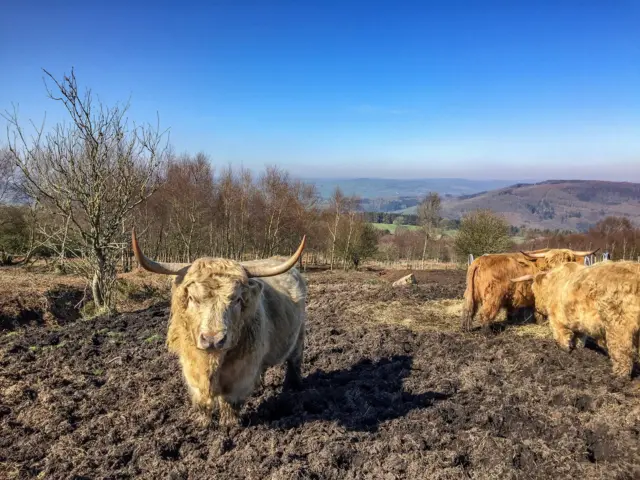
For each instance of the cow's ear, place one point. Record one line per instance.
(251, 291)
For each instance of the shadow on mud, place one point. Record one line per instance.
(527, 318)
(591, 344)
(359, 398)
(518, 318)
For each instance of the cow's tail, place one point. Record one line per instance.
(469, 307)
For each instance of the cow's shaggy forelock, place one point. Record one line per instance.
(212, 269)
(556, 258)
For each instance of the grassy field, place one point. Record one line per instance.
(392, 226)
(448, 233)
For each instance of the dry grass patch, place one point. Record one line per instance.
(413, 265)
(432, 316)
(140, 289)
(21, 280)
(533, 330)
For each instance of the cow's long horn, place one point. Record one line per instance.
(534, 255)
(259, 271)
(585, 253)
(524, 278)
(155, 267)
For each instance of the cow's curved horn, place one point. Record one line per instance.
(260, 271)
(524, 278)
(585, 253)
(155, 267)
(534, 255)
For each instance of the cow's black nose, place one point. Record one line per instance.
(220, 342)
(212, 340)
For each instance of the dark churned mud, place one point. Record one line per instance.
(103, 399)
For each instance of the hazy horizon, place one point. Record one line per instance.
(415, 176)
(413, 90)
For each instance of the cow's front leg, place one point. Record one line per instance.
(581, 340)
(293, 376)
(236, 382)
(563, 336)
(487, 313)
(229, 412)
(231, 403)
(622, 351)
(539, 318)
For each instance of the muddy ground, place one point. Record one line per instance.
(380, 400)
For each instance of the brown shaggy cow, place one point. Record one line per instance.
(227, 326)
(601, 301)
(488, 281)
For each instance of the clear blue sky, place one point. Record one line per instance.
(477, 89)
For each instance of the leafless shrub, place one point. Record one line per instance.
(91, 172)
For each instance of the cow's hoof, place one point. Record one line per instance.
(489, 330)
(229, 421)
(567, 348)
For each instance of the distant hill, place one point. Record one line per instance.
(381, 188)
(554, 204)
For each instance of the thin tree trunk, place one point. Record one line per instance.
(333, 243)
(424, 250)
(346, 251)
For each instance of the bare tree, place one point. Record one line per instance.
(429, 217)
(337, 206)
(93, 171)
(352, 205)
(190, 191)
(275, 187)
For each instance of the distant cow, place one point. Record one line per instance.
(488, 281)
(229, 324)
(601, 301)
